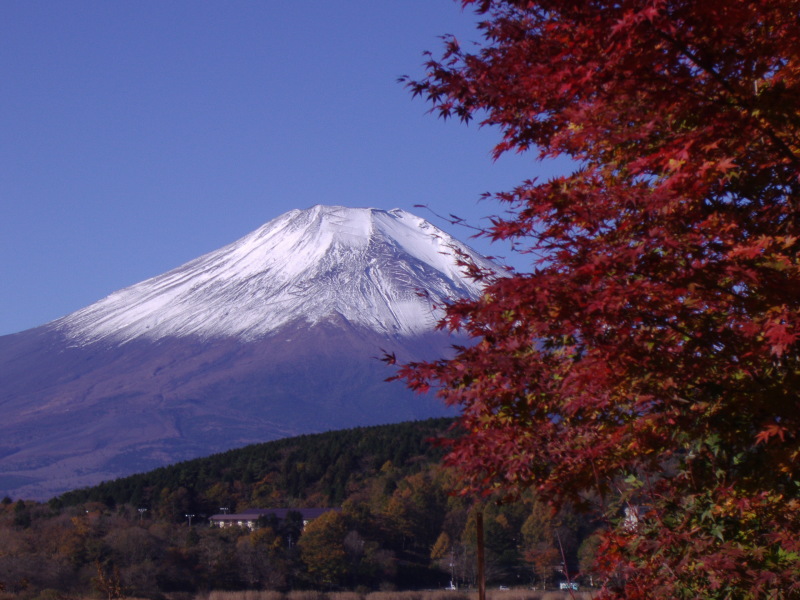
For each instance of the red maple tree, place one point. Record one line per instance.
(651, 353)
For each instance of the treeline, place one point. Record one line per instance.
(307, 470)
(396, 527)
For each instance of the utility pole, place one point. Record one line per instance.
(481, 568)
(452, 568)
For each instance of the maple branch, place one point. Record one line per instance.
(740, 102)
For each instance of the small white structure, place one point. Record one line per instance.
(568, 585)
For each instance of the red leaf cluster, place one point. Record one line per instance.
(656, 335)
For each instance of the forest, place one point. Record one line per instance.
(395, 526)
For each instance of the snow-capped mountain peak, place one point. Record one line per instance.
(388, 271)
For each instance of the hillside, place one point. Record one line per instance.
(396, 525)
(288, 472)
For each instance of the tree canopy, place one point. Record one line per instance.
(652, 350)
(397, 526)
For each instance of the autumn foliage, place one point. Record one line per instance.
(651, 353)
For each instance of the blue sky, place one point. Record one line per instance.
(138, 135)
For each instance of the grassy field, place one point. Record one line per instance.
(520, 594)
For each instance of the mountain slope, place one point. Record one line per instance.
(368, 266)
(274, 335)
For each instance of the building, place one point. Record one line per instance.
(249, 518)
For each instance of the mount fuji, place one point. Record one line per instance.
(274, 335)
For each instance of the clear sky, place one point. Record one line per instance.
(140, 134)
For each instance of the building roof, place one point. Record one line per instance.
(251, 514)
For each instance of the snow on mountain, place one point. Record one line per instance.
(272, 336)
(388, 271)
